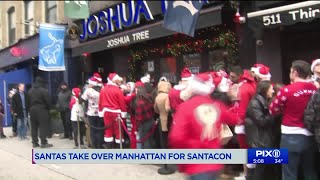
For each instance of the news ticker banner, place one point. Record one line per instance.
(159, 156)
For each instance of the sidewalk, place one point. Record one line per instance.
(15, 158)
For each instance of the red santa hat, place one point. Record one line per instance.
(76, 92)
(139, 84)
(186, 74)
(263, 73)
(113, 77)
(314, 64)
(255, 67)
(97, 77)
(93, 81)
(199, 85)
(220, 81)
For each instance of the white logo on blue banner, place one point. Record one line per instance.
(51, 47)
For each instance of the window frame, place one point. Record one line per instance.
(11, 31)
(49, 9)
(29, 21)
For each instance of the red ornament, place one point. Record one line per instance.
(15, 51)
(168, 45)
(86, 54)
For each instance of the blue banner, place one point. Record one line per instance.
(267, 156)
(51, 47)
(182, 16)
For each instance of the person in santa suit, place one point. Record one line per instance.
(197, 125)
(174, 93)
(315, 69)
(292, 101)
(112, 106)
(91, 96)
(245, 90)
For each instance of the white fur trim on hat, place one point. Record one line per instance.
(145, 79)
(314, 63)
(254, 69)
(115, 77)
(187, 79)
(195, 87)
(262, 76)
(92, 82)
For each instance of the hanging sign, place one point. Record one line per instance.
(116, 18)
(285, 15)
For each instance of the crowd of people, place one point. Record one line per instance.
(191, 114)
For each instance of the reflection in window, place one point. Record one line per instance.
(12, 25)
(29, 17)
(51, 11)
(168, 68)
(216, 60)
(193, 62)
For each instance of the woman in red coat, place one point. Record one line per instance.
(197, 125)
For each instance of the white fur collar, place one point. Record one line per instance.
(179, 87)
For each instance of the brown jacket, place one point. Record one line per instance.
(162, 106)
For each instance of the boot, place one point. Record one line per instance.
(2, 136)
(116, 146)
(109, 145)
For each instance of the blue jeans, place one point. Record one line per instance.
(302, 150)
(22, 127)
(212, 175)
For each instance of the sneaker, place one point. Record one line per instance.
(2, 136)
(35, 145)
(46, 145)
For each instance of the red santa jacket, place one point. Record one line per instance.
(111, 100)
(188, 131)
(292, 100)
(174, 97)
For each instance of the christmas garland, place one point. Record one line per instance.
(224, 40)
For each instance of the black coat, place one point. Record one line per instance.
(16, 105)
(39, 96)
(259, 124)
(312, 116)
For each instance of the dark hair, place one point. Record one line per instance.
(263, 87)
(237, 70)
(302, 68)
(277, 88)
(143, 94)
(222, 97)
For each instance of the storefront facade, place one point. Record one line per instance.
(289, 32)
(139, 46)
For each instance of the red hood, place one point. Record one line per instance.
(247, 76)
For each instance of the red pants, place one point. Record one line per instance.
(242, 141)
(110, 119)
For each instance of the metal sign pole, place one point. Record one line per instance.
(78, 124)
(120, 130)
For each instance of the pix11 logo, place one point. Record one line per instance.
(267, 156)
(268, 153)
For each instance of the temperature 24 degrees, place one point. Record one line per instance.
(278, 161)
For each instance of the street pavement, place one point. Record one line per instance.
(15, 164)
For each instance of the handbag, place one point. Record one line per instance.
(225, 134)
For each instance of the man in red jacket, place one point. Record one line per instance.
(174, 93)
(111, 107)
(246, 89)
(197, 125)
(292, 101)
